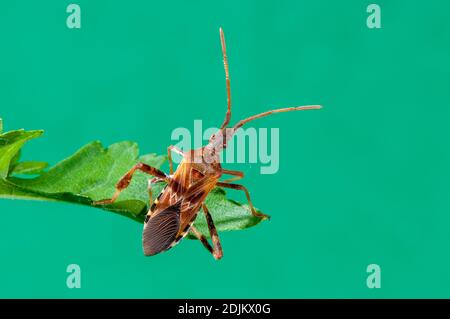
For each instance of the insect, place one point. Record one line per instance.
(171, 216)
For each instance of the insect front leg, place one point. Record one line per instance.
(169, 155)
(126, 179)
(216, 250)
(247, 194)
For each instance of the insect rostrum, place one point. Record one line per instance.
(171, 216)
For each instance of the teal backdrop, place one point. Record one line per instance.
(365, 180)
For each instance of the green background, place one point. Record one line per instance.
(365, 180)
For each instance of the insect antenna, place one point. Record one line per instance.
(219, 140)
(227, 79)
(287, 109)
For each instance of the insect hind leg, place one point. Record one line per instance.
(217, 247)
(216, 250)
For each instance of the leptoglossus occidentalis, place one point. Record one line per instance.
(172, 214)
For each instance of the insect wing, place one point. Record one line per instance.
(161, 230)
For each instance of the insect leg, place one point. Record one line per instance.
(217, 250)
(237, 175)
(152, 181)
(217, 247)
(202, 238)
(169, 155)
(126, 179)
(244, 189)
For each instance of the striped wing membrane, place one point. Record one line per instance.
(161, 231)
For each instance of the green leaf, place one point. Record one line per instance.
(29, 168)
(14, 161)
(10, 145)
(91, 174)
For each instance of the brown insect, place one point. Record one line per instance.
(172, 214)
